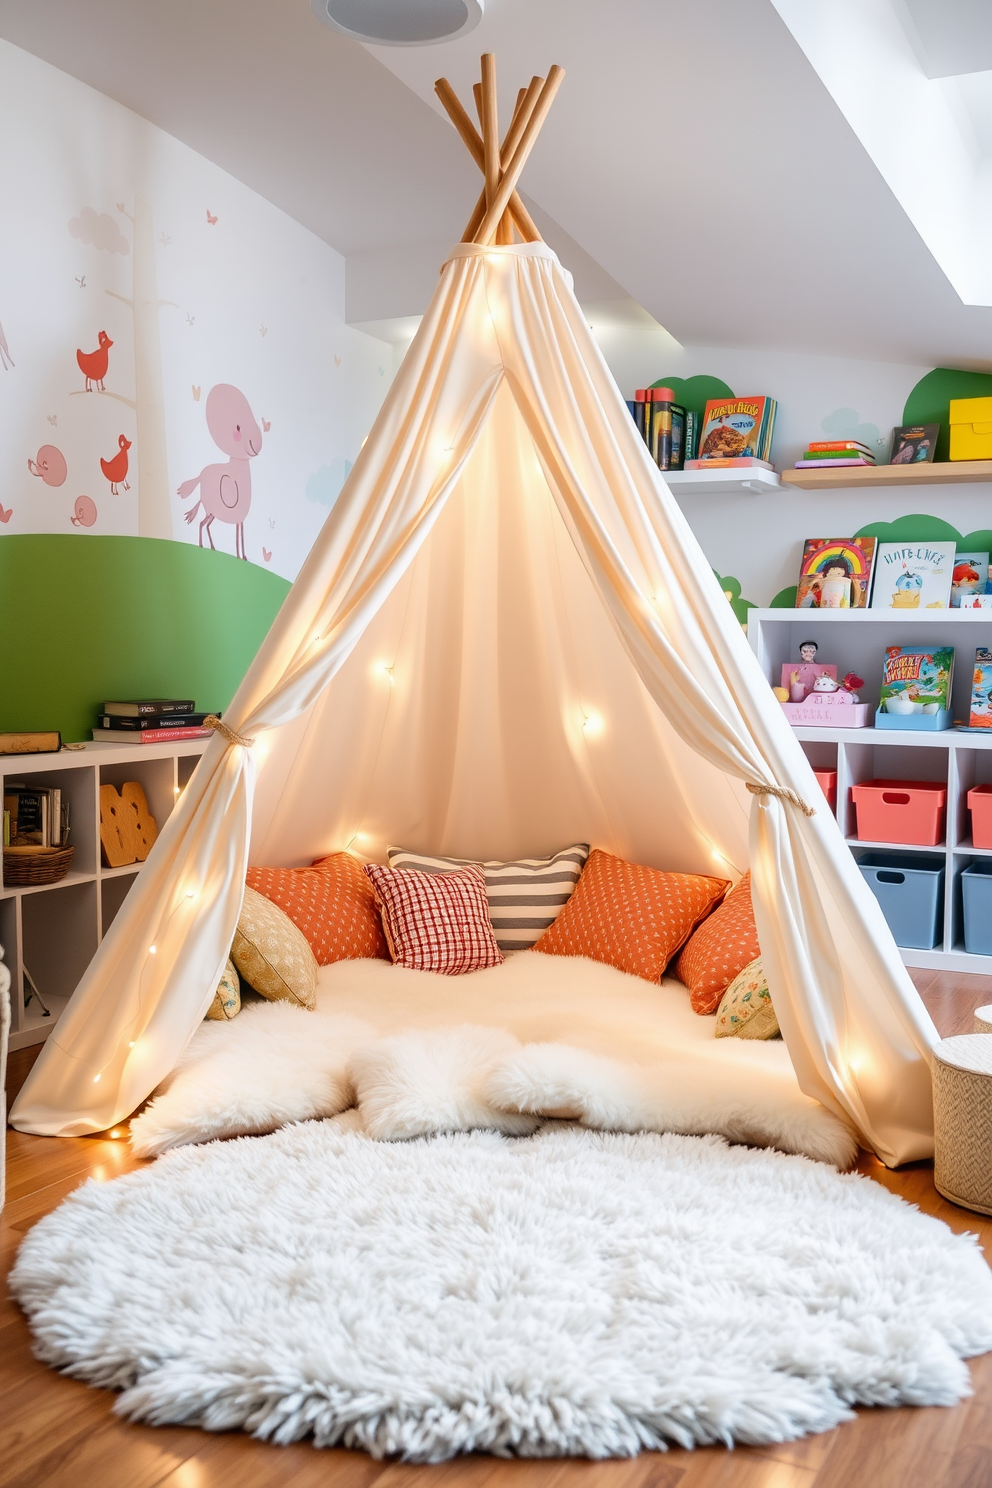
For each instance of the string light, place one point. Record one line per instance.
(592, 724)
(152, 950)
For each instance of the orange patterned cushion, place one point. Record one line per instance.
(720, 949)
(630, 917)
(331, 902)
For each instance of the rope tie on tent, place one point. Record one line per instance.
(231, 735)
(784, 794)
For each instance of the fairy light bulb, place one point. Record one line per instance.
(592, 725)
(152, 950)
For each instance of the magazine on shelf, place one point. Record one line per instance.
(835, 573)
(913, 576)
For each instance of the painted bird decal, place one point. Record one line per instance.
(93, 364)
(115, 469)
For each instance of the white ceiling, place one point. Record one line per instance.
(693, 160)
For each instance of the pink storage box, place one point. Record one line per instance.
(827, 710)
(980, 806)
(827, 781)
(904, 811)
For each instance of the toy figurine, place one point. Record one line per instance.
(844, 690)
(798, 680)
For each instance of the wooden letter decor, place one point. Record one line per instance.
(499, 213)
(127, 827)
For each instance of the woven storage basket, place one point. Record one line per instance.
(983, 1020)
(962, 1116)
(27, 867)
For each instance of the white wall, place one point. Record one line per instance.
(98, 203)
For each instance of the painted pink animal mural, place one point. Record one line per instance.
(225, 490)
(50, 465)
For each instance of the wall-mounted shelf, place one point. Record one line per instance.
(54, 929)
(856, 640)
(948, 472)
(722, 482)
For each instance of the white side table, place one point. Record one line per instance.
(962, 1116)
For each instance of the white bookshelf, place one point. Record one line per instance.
(54, 929)
(855, 641)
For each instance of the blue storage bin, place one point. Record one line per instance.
(910, 891)
(976, 894)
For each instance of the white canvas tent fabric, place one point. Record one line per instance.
(505, 638)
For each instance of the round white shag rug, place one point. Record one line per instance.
(570, 1293)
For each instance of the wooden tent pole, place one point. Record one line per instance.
(470, 138)
(489, 119)
(511, 174)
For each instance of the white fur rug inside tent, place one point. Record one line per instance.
(568, 1293)
(538, 1036)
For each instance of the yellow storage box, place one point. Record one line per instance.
(971, 428)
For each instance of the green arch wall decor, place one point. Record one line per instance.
(927, 403)
(88, 618)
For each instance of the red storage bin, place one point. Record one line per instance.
(827, 781)
(980, 806)
(904, 811)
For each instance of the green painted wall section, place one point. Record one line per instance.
(927, 403)
(83, 619)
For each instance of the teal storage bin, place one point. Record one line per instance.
(910, 891)
(976, 896)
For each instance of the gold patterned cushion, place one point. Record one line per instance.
(746, 1010)
(272, 954)
(227, 998)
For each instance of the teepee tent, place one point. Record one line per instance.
(505, 638)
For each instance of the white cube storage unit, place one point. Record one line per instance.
(855, 640)
(53, 930)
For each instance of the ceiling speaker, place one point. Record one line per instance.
(400, 22)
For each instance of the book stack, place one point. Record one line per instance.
(833, 453)
(34, 816)
(150, 721)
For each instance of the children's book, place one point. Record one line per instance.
(735, 427)
(913, 576)
(835, 573)
(968, 576)
(916, 679)
(913, 443)
(981, 691)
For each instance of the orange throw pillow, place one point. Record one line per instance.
(720, 949)
(331, 902)
(630, 917)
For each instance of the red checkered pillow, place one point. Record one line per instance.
(436, 921)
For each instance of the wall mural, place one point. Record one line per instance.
(159, 320)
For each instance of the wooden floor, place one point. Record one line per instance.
(55, 1433)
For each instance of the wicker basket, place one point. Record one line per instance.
(26, 867)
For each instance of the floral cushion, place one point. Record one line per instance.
(272, 954)
(746, 1010)
(227, 998)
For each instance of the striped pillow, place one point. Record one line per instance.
(525, 897)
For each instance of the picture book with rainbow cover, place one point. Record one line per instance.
(835, 573)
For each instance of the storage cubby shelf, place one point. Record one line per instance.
(54, 929)
(946, 473)
(855, 640)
